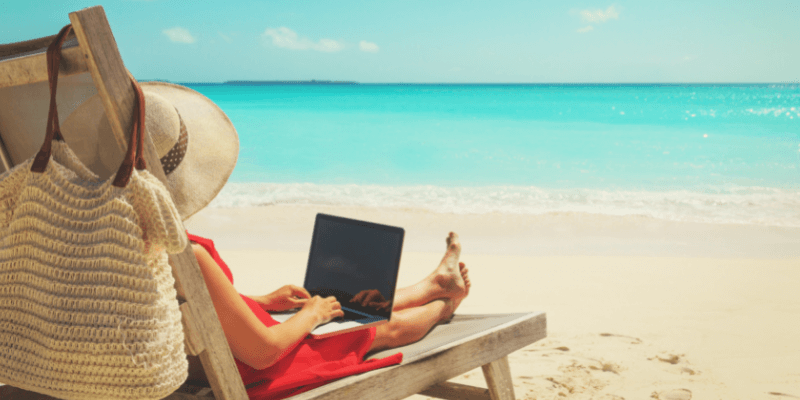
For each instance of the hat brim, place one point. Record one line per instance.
(212, 149)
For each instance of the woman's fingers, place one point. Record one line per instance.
(335, 304)
(336, 307)
(299, 292)
(298, 302)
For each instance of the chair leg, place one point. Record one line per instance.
(498, 379)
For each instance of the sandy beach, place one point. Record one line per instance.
(637, 308)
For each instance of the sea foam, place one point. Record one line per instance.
(731, 204)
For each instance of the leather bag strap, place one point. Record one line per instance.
(53, 129)
(134, 157)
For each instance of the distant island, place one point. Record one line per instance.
(311, 82)
(257, 83)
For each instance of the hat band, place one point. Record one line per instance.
(175, 155)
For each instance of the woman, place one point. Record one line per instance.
(279, 359)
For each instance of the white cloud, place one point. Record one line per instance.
(328, 45)
(585, 29)
(369, 47)
(288, 39)
(179, 35)
(593, 16)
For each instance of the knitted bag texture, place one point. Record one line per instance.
(88, 307)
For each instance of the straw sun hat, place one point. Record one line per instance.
(194, 139)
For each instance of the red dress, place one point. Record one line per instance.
(312, 363)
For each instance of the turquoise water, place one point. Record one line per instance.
(696, 152)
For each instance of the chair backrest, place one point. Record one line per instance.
(91, 64)
(24, 94)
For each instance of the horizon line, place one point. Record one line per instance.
(332, 82)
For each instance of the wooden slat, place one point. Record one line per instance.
(13, 49)
(456, 391)
(33, 68)
(193, 340)
(113, 84)
(108, 72)
(205, 328)
(5, 158)
(399, 382)
(498, 378)
(217, 360)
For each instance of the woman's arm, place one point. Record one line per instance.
(251, 342)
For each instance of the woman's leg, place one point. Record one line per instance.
(447, 280)
(419, 307)
(411, 324)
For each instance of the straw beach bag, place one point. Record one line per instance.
(88, 307)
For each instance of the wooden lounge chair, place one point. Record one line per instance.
(465, 343)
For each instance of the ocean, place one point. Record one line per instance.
(702, 153)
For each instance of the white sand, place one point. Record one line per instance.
(637, 308)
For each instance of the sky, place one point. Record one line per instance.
(447, 41)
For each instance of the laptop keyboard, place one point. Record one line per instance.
(349, 315)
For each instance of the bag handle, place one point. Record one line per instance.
(134, 157)
(53, 130)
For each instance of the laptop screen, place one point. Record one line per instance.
(355, 261)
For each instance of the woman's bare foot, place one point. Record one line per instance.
(465, 276)
(446, 279)
(449, 281)
(455, 301)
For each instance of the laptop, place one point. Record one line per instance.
(357, 262)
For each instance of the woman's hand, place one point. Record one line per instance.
(285, 298)
(322, 309)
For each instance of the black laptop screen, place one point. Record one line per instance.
(355, 261)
